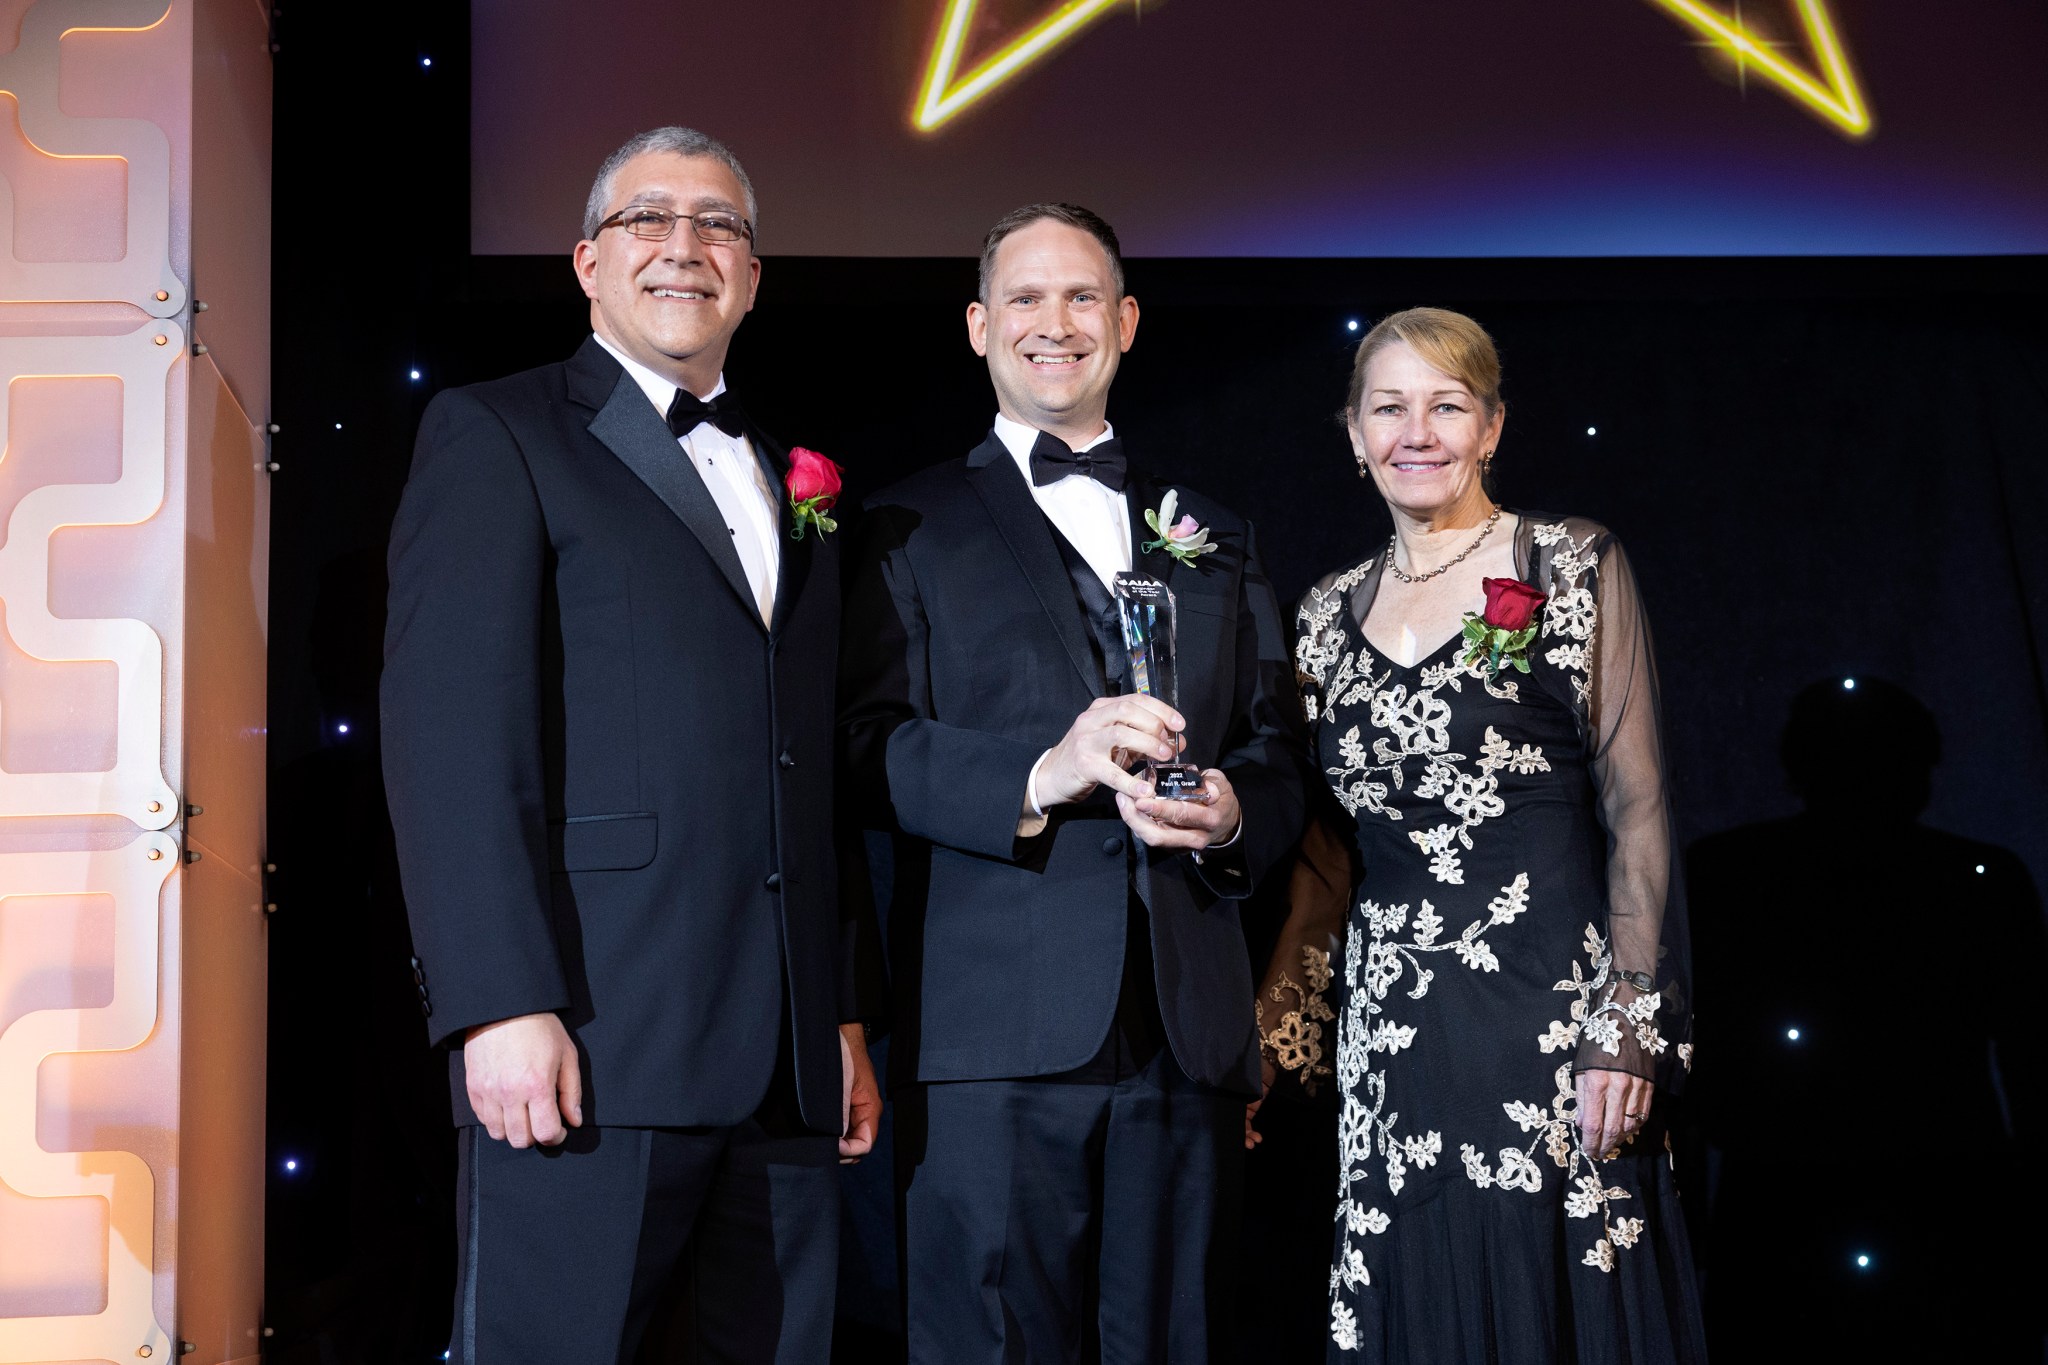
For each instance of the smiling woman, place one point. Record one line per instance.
(1425, 401)
(1513, 831)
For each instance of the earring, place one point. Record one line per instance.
(1361, 469)
(1486, 459)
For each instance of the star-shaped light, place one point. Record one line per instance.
(1833, 94)
(946, 92)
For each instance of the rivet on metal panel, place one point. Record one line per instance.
(155, 806)
(163, 296)
(156, 855)
(160, 339)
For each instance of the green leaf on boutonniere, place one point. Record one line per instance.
(810, 513)
(1495, 648)
(1184, 540)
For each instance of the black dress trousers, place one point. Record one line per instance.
(622, 1243)
(1087, 1216)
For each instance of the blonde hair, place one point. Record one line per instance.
(1446, 341)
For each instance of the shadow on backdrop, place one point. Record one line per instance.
(1871, 1068)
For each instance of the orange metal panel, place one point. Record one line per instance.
(133, 542)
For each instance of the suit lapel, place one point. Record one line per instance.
(796, 554)
(628, 425)
(1142, 495)
(994, 477)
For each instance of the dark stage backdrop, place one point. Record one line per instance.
(1823, 470)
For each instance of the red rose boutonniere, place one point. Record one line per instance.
(813, 485)
(1500, 638)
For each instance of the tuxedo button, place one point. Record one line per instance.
(1113, 845)
(774, 882)
(786, 761)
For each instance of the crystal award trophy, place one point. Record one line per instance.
(1145, 609)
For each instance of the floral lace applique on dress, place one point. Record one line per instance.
(1475, 807)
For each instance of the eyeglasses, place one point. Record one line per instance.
(656, 224)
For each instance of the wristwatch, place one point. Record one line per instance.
(1642, 981)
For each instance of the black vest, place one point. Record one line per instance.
(1098, 612)
(1137, 1032)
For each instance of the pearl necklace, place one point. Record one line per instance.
(1394, 542)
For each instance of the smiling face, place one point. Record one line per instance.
(1053, 329)
(671, 305)
(1421, 434)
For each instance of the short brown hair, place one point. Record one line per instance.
(1448, 341)
(1073, 215)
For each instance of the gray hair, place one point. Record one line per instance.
(677, 140)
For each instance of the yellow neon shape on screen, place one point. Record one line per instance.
(942, 97)
(1840, 101)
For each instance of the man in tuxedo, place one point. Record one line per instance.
(607, 710)
(1075, 1041)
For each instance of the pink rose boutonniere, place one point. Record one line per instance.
(1500, 637)
(813, 485)
(1186, 540)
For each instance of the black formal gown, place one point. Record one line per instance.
(1515, 849)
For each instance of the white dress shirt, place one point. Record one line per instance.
(1095, 518)
(735, 478)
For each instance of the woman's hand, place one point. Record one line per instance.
(1612, 1106)
(1267, 1071)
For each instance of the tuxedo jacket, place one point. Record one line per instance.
(966, 656)
(611, 783)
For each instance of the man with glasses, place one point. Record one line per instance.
(607, 741)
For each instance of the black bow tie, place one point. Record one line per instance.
(1052, 460)
(688, 410)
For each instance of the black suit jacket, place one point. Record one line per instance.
(611, 785)
(966, 656)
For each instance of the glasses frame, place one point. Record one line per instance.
(618, 220)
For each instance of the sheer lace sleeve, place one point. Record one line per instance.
(1295, 1017)
(1596, 608)
(1296, 1022)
